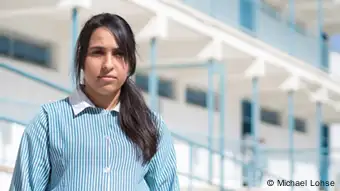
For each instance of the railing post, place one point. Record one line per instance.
(320, 126)
(223, 117)
(191, 168)
(210, 104)
(291, 125)
(254, 126)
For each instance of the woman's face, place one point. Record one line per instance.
(105, 69)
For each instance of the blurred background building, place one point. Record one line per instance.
(248, 87)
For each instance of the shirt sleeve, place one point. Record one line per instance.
(32, 167)
(162, 174)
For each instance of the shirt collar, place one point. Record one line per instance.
(79, 101)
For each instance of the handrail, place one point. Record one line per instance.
(34, 78)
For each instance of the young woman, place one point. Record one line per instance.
(103, 136)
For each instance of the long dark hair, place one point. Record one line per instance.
(136, 120)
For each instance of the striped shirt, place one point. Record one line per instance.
(73, 146)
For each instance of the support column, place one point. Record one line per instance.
(255, 113)
(255, 71)
(154, 30)
(291, 90)
(153, 78)
(74, 33)
(211, 112)
(290, 86)
(323, 166)
(223, 119)
(74, 6)
(214, 53)
(291, 128)
(320, 97)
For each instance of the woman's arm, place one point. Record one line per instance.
(32, 168)
(162, 174)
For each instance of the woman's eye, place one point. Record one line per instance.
(118, 54)
(98, 52)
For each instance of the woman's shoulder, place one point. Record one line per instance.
(56, 106)
(49, 113)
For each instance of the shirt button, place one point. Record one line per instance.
(107, 169)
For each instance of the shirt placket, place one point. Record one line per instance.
(108, 150)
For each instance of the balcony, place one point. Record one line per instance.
(264, 22)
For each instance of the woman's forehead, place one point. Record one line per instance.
(103, 37)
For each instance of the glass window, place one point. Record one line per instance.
(300, 125)
(166, 88)
(5, 45)
(196, 97)
(142, 82)
(270, 116)
(31, 52)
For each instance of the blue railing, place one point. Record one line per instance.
(262, 21)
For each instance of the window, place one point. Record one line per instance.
(142, 82)
(300, 125)
(246, 110)
(30, 52)
(270, 10)
(270, 117)
(24, 50)
(196, 97)
(247, 14)
(166, 88)
(5, 45)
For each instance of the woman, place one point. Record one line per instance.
(103, 136)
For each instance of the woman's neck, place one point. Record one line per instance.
(107, 102)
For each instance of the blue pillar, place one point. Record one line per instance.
(153, 79)
(291, 124)
(319, 129)
(223, 117)
(254, 128)
(325, 153)
(74, 33)
(320, 126)
(211, 108)
(320, 33)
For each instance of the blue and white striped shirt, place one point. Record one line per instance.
(73, 146)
